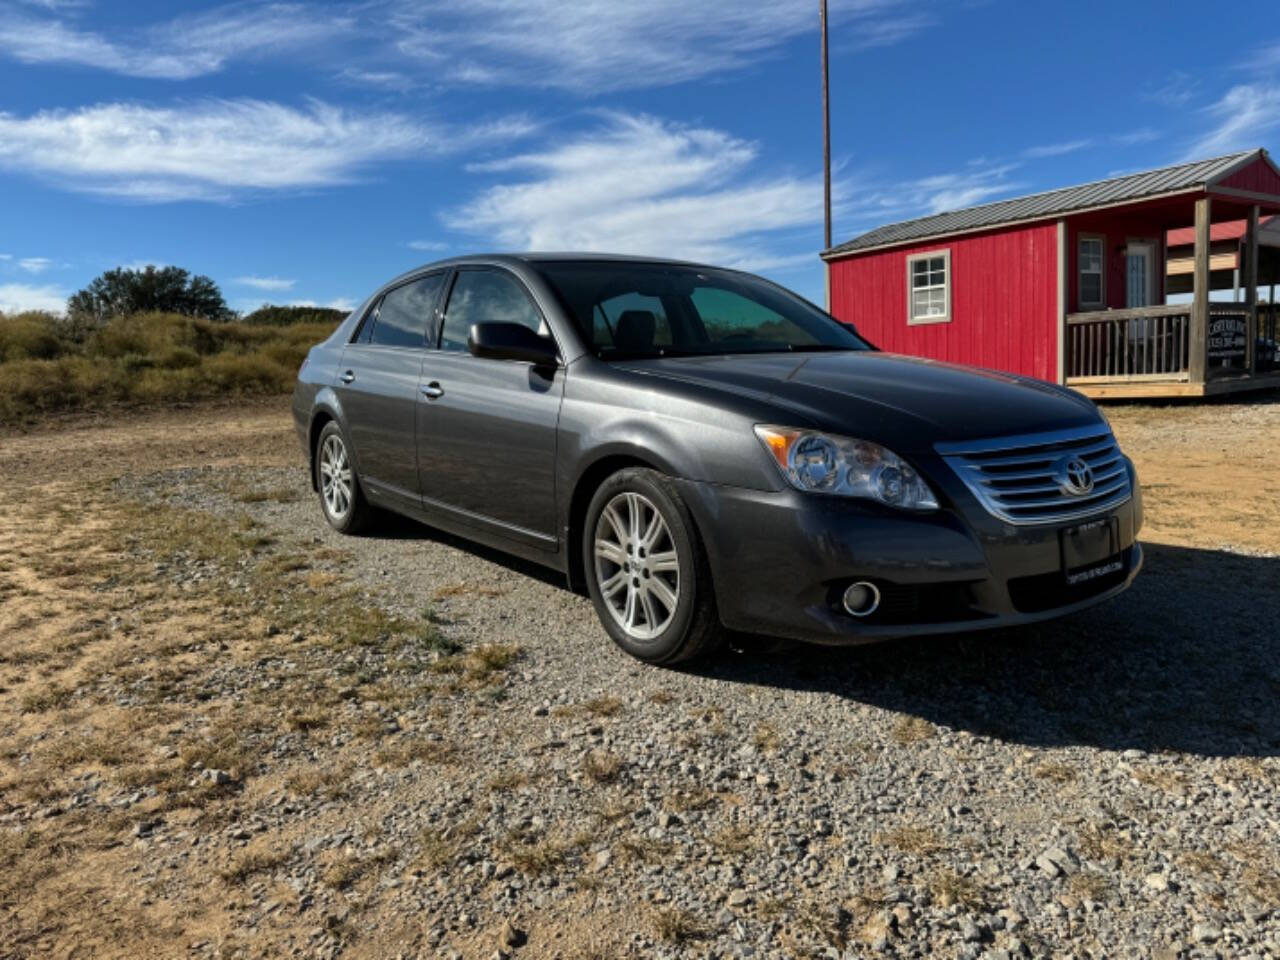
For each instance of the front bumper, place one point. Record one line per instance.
(781, 559)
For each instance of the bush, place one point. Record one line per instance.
(145, 358)
(271, 316)
(29, 336)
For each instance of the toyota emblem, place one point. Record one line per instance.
(1074, 476)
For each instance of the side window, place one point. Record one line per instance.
(929, 287)
(486, 296)
(607, 312)
(406, 313)
(1091, 261)
(727, 315)
(365, 330)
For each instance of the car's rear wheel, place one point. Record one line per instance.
(341, 498)
(646, 569)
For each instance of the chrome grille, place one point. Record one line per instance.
(1018, 479)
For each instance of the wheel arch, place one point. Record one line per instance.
(584, 489)
(322, 414)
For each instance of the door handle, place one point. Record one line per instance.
(433, 390)
(347, 377)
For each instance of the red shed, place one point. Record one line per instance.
(1080, 285)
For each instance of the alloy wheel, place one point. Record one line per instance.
(636, 565)
(335, 477)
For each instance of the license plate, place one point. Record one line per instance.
(1091, 550)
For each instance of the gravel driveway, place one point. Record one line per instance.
(1101, 786)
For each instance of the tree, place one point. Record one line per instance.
(160, 289)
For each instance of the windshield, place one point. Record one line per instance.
(628, 310)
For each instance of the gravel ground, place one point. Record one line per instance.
(1102, 786)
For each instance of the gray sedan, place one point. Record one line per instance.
(700, 450)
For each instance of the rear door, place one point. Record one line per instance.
(487, 428)
(378, 387)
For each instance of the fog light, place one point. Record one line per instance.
(861, 599)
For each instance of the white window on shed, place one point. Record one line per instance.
(1091, 259)
(929, 287)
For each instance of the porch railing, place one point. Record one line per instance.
(1154, 342)
(1129, 344)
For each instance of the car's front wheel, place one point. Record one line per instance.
(341, 498)
(646, 569)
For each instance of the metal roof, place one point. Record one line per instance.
(1133, 186)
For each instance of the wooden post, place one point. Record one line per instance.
(1198, 336)
(1062, 301)
(1251, 290)
(826, 135)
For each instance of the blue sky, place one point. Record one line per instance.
(307, 152)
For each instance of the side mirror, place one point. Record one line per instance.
(511, 341)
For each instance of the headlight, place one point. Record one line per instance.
(843, 466)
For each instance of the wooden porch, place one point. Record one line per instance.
(1202, 348)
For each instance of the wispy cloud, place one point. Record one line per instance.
(1177, 90)
(185, 47)
(1244, 117)
(265, 283)
(1056, 149)
(35, 264)
(6, 256)
(952, 191)
(430, 246)
(218, 149)
(17, 297)
(594, 46)
(637, 184)
(1138, 136)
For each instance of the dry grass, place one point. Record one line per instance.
(735, 840)
(536, 854)
(686, 800)
(949, 888)
(674, 925)
(600, 766)
(909, 730)
(1059, 773)
(509, 780)
(641, 848)
(252, 861)
(1263, 884)
(1103, 842)
(415, 749)
(326, 782)
(766, 738)
(1090, 885)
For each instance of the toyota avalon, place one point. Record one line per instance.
(701, 450)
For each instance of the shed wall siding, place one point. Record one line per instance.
(1257, 177)
(1004, 300)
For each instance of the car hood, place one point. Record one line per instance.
(906, 402)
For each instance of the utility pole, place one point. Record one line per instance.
(826, 135)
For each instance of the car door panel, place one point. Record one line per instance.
(378, 388)
(487, 435)
(378, 404)
(487, 444)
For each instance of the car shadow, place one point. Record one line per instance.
(388, 526)
(1187, 660)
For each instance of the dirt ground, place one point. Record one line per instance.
(171, 679)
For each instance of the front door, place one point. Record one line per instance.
(1139, 275)
(487, 428)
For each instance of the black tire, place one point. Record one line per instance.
(693, 627)
(358, 513)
